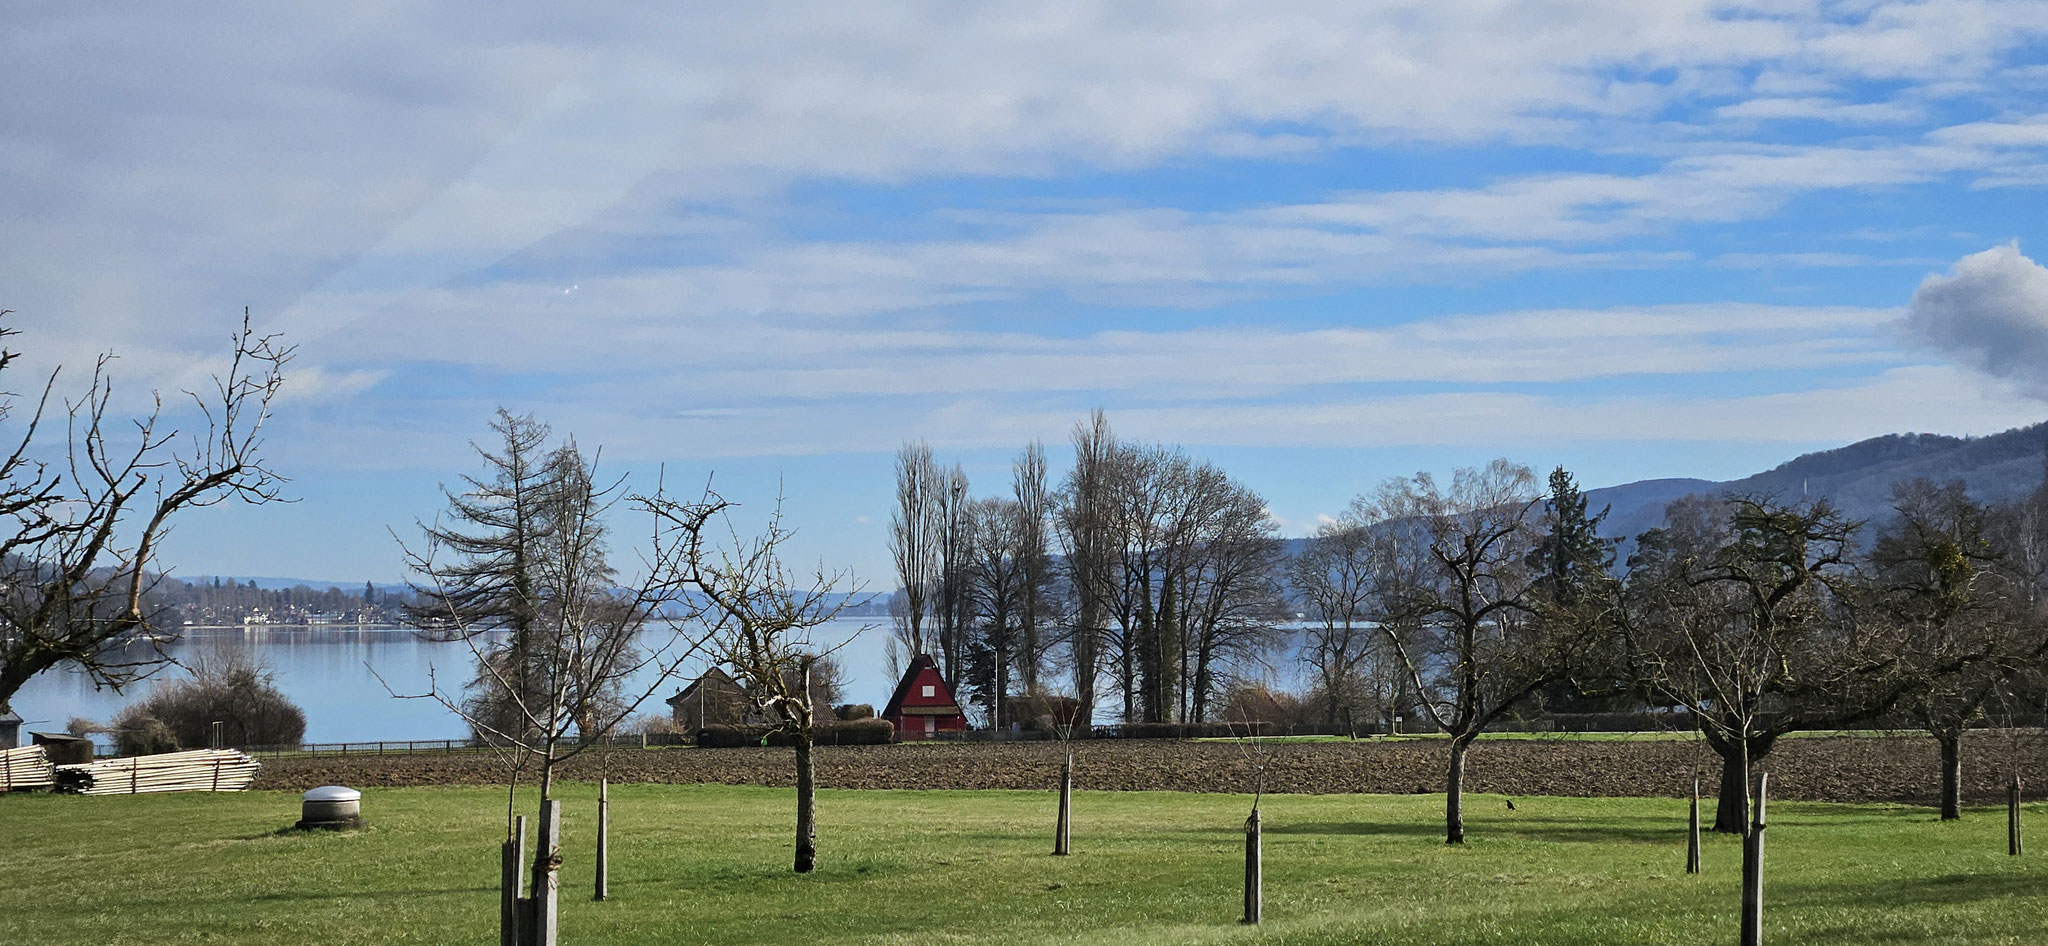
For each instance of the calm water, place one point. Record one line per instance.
(328, 671)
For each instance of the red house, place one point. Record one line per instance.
(923, 705)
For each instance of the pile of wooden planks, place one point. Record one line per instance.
(26, 767)
(200, 770)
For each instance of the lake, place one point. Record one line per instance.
(332, 673)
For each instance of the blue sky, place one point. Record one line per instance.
(1321, 245)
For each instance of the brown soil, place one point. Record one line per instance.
(1840, 769)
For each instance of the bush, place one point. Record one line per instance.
(853, 711)
(138, 733)
(862, 732)
(859, 732)
(230, 687)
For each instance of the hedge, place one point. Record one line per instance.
(861, 732)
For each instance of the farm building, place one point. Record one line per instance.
(923, 705)
(714, 699)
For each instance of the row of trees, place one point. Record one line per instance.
(1751, 617)
(1155, 582)
(1146, 571)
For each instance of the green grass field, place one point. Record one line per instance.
(709, 864)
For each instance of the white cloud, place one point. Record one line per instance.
(1991, 313)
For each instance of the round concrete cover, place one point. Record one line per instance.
(333, 793)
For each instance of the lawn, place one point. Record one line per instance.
(709, 864)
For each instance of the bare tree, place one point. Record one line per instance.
(916, 538)
(953, 601)
(1333, 576)
(80, 537)
(1174, 571)
(564, 693)
(1740, 612)
(1951, 602)
(1027, 483)
(1456, 602)
(1083, 518)
(997, 577)
(762, 619)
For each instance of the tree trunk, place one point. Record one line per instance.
(1753, 871)
(1731, 806)
(512, 863)
(1454, 794)
(1738, 757)
(1951, 775)
(806, 807)
(2013, 847)
(1692, 832)
(604, 829)
(1062, 838)
(1254, 869)
(547, 874)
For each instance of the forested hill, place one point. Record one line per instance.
(1858, 477)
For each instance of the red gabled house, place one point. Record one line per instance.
(923, 705)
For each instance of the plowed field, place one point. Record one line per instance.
(1838, 768)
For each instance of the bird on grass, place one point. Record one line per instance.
(1511, 804)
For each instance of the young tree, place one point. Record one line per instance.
(1456, 601)
(762, 618)
(560, 691)
(79, 534)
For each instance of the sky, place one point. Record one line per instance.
(1317, 244)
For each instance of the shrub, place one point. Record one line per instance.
(862, 732)
(859, 732)
(233, 688)
(853, 711)
(136, 732)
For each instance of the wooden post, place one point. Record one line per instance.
(1063, 837)
(2012, 817)
(1692, 831)
(604, 825)
(511, 906)
(1753, 871)
(1254, 882)
(219, 734)
(547, 873)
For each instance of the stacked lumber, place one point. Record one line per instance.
(26, 767)
(200, 770)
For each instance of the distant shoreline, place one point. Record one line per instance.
(294, 627)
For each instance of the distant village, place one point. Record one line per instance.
(217, 602)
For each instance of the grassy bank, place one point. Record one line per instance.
(709, 864)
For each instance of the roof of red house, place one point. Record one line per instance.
(943, 694)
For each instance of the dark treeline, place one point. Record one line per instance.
(1146, 585)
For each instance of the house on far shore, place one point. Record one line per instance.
(923, 706)
(714, 699)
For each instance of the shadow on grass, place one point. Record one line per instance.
(286, 896)
(1920, 891)
(1527, 827)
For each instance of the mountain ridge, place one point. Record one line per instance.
(1857, 477)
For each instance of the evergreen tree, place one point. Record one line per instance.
(1571, 551)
